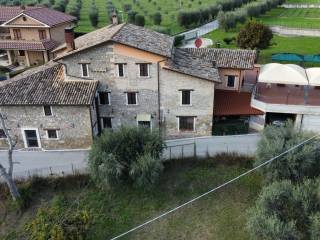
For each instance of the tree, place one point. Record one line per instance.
(8, 174)
(157, 18)
(286, 211)
(132, 16)
(129, 156)
(94, 15)
(139, 20)
(295, 165)
(254, 35)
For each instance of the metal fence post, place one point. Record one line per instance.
(170, 153)
(182, 152)
(195, 150)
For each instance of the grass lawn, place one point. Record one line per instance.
(280, 44)
(221, 215)
(297, 18)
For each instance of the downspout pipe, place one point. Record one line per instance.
(159, 97)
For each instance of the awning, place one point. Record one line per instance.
(232, 103)
(144, 117)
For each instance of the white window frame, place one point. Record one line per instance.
(194, 124)
(47, 134)
(148, 69)
(181, 97)
(101, 122)
(25, 139)
(136, 93)
(44, 113)
(124, 70)
(87, 67)
(235, 81)
(109, 98)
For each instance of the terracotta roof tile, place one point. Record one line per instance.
(45, 15)
(28, 45)
(46, 86)
(228, 103)
(227, 58)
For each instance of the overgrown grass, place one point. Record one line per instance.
(221, 215)
(280, 44)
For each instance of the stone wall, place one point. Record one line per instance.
(72, 122)
(201, 107)
(102, 62)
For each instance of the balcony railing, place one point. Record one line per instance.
(287, 95)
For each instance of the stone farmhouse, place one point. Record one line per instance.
(28, 34)
(120, 75)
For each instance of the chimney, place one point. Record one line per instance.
(69, 38)
(114, 18)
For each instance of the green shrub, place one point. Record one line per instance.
(55, 223)
(157, 18)
(283, 211)
(94, 15)
(178, 40)
(129, 155)
(139, 20)
(295, 165)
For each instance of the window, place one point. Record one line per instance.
(186, 124)
(22, 53)
(85, 69)
(132, 98)
(42, 34)
(2, 134)
(144, 69)
(185, 97)
(231, 80)
(104, 98)
(47, 110)
(120, 67)
(52, 134)
(17, 34)
(145, 124)
(106, 122)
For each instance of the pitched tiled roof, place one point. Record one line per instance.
(186, 63)
(127, 34)
(228, 103)
(28, 45)
(6, 13)
(227, 58)
(45, 15)
(145, 39)
(46, 86)
(49, 16)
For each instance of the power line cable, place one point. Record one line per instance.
(215, 189)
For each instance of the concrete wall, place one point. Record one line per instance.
(72, 122)
(311, 123)
(102, 62)
(57, 33)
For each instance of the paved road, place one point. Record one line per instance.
(63, 162)
(43, 163)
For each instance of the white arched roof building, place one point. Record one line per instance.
(314, 76)
(283, 74)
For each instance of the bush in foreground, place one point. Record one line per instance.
(295, 165)
(286, 212)
(129, 155)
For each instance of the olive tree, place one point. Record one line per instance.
(130, 155)
(285, 211)
(295, 165)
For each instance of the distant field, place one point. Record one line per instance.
(280, 44)
(168, 8)
(298, 18)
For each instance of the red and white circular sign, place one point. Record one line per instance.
(198, 42)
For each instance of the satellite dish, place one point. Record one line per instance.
(198, 42)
